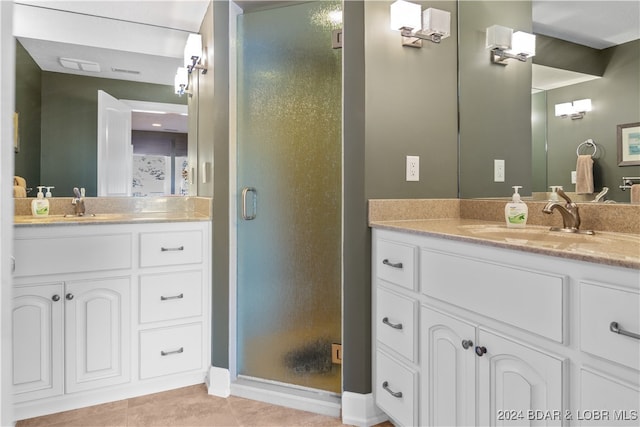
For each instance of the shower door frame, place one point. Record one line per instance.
(333, 402)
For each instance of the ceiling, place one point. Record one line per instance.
(143, 40)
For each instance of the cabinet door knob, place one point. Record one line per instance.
(69, 296)
(56, 297)
(481, 350)
(466, 344)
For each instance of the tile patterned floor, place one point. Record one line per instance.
(184, 407)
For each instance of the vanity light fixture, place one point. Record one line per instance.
(193, 54)
(181, 81)
(504, 44)
(576, 109)
(416, 25)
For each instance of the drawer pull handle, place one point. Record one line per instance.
(168, 353)
(466, 344)
(615, 328)
(179, 248)
(163, 298)
(392, 264)
(480, 350)
(393, 325)
(397, 394)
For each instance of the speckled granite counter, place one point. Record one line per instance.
(454, 219)
(116, 210)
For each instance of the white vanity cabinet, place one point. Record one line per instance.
(108, 311)
(504, 337)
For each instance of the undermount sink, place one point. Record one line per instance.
(538, 236)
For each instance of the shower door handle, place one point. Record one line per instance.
(245, 193)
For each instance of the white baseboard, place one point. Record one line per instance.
(359, 410)
(219, 382)
(289, 397)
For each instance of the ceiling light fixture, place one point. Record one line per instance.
(504, 44)
(416, 25)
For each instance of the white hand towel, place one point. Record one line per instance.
(635, 193)
(584, 174)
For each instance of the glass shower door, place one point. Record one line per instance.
(289, 177)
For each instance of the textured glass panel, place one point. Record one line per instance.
(289, 150)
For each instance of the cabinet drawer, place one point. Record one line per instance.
(170, 350)
(396, 320)
(72, 254)
(395, 263)
(170, 296)
(176, 247)
(393, 378)
(528, 299)
(599, 306)
(619, 398)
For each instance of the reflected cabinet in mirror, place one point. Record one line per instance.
(509, 112)
(58, 112)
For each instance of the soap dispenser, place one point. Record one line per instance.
(48, 193)
(516, 212)
(40, 206)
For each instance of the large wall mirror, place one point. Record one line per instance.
(60, 71)
(585, 50)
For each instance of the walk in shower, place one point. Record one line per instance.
(289, 151)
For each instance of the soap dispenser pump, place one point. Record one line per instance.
(40, 206)
(48, 193)
(516, 212)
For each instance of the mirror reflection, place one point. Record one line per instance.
(58, 76)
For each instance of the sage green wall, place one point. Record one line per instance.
(70, 125)
(28, 105)
(614, 100)
(495, 102)
(410, 108)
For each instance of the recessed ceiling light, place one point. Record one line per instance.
(156, 125)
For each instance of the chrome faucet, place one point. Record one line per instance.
(78, 201)
(569, 212)
(600, 196)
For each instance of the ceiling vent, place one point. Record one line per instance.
(80, 65)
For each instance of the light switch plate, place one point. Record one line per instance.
(413, 168)
(498, 170)
(573, 177)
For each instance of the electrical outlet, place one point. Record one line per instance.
(498, 170)
(413, 168)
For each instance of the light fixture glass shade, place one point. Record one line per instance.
(564, 109)
(181, 80)
(436, 21)
(499, 37)
(523, 44)
(405, 14)
(192, 49)
(582, 105)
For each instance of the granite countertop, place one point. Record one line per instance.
(108, 218)
(116, 210)
(610, 248)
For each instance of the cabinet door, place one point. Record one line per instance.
(518, 385)
(447, 350)
(37, 341)
(605, 400)
(97, 332)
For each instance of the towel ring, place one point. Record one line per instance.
(588, 143)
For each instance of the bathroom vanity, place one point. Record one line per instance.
(108, 309)
(477, 324)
